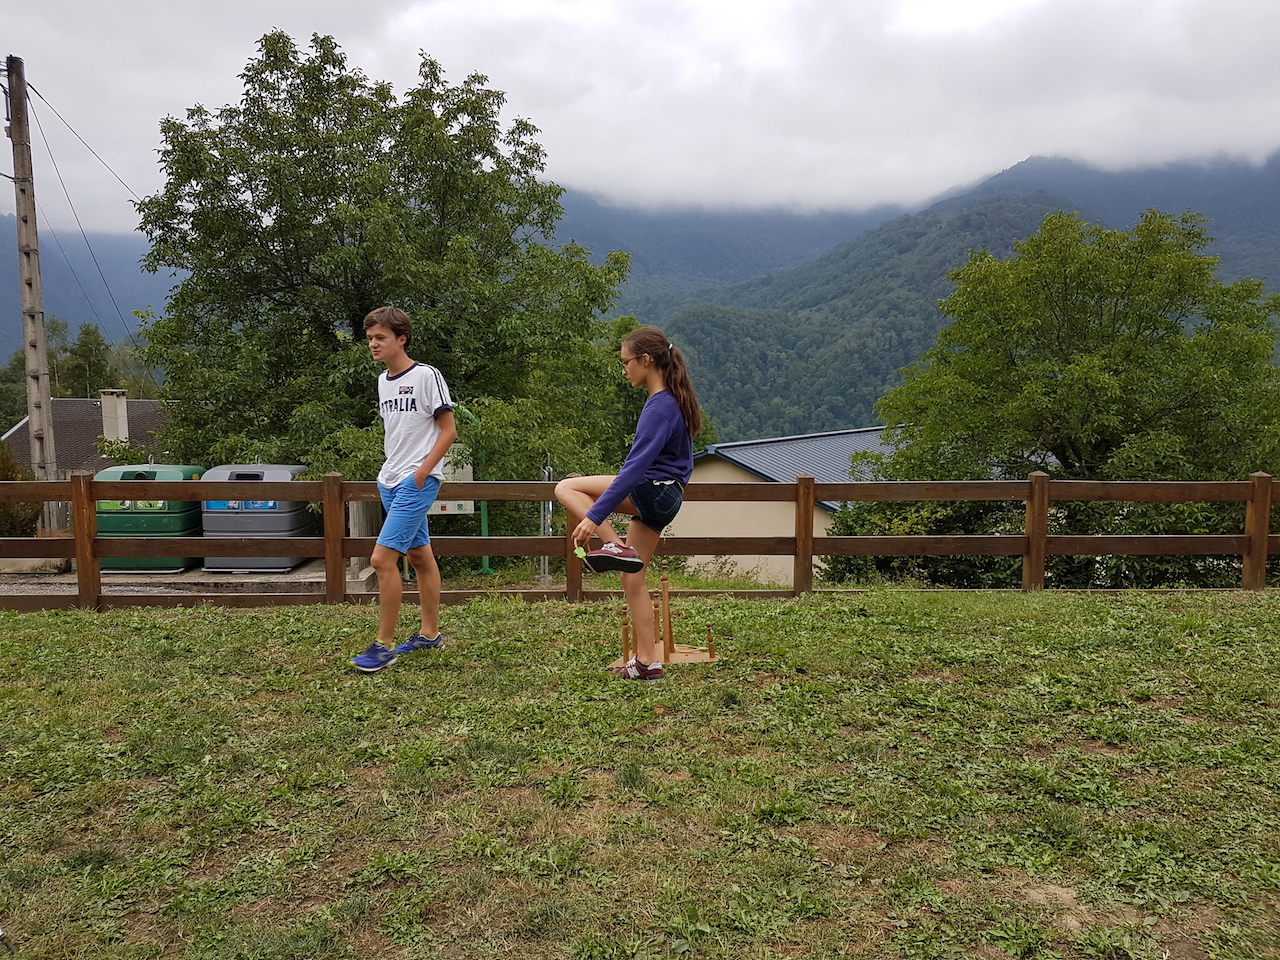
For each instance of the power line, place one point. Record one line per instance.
(89, 246)
(147, 371)
(81, 139)
(93, 256)
(67, 260)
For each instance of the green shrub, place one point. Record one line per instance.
(16, 519)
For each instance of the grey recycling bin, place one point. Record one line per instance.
(255, 518)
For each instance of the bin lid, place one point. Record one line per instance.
(254, 471)
(151, 471)
(267, 472)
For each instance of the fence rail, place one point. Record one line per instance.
(1034, 545)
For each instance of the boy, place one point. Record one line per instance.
(418, 418)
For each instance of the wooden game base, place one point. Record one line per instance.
(665, 646)
(683, 653)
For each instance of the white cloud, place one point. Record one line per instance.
(753, 102)
(954, 16)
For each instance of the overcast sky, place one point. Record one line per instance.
(810, 104)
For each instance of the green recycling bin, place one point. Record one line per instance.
(149, 518)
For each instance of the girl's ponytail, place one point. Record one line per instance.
(670, 361)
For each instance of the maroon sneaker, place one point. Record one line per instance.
(614, 556)
(633, 669)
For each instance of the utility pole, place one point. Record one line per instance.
(39, 409)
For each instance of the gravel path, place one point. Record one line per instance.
(305, 578)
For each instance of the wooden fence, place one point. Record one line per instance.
(1254, 544)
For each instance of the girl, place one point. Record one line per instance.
(649, 487)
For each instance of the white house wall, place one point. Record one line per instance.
(707, 518)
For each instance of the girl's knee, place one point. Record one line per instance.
(567, 488)
(635, 580)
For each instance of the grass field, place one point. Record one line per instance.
(880, 775)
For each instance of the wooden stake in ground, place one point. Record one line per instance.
(668, 651)
(668, 638)
(656, 621)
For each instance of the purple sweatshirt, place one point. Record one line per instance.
(662, 450)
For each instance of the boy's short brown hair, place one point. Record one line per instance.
(393, 318)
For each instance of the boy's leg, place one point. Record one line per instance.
(403, 531)
(418, 550)
(424, 563)
(380, 653)
(403, 528)
(386, 563)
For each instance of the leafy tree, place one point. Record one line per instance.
(134, 375)
(17, 519)
(320, 196)
(79, 368)
(85, 367)
(126, 451)
(13, 390)
(813, 348)
(57, 336)
(1089, 354)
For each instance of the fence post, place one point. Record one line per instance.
(1036, 531)
(1257, 530)
(84, 527)
(802, 574)
(572, 565)
(335, 528)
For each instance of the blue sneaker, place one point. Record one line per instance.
(375, 657)
(419, 642)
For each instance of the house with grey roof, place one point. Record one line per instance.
(79, 422)
(824, 456)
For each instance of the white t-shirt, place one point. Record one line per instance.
(409, 403)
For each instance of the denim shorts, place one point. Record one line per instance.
(406, 524)
(658, 502)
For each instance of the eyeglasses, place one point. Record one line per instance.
(623, 363)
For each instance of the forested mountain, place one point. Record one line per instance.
(795, 322)
(73, 288)
(1241, 200)
(813, 348)
(674, 252)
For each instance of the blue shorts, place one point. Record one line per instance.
(406, 524)
(658, 502)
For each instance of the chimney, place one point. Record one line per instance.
(115, 415)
